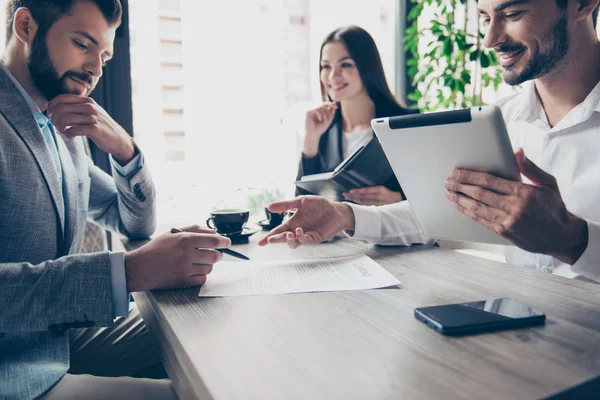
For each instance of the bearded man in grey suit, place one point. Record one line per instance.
(48, 188)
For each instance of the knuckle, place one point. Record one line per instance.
(479, 192)
(487, 180)
(525, 192)
(200, 280)
(517, 211)
(473, 207)
(214, 256)
(188, 257)
(181, 240)
(213, 241)
(508, 224)
(88, 108)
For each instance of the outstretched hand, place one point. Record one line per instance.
(316, 219)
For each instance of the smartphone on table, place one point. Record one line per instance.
(479, 316)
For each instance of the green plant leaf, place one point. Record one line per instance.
(448, 46)
(466, 77)
(474, 55)
(484, 60)
(412, 97)
(415, 12)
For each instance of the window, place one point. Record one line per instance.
(221, 89)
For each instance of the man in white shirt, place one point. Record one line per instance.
(553, 220)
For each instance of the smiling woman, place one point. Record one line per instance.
(354, 90)
(218, 94)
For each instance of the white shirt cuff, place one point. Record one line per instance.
(367, 223)
(120, 297)
(131, 168)
(388, 225)
(588, 264)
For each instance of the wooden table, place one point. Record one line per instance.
(368, 345)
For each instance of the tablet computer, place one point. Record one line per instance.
(423, 150)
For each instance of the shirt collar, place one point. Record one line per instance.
(530, 106)
(34, 108)
(41, 119)
(594, 98)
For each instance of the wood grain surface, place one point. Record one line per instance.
(367, 344)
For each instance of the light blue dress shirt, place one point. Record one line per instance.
(50, 137)
(120, 296)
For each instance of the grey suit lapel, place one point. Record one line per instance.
(70, 183)
(16, 111)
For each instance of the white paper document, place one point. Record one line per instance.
(246, 278)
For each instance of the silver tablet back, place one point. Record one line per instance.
(424, 149)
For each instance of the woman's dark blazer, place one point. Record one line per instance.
(331, 152)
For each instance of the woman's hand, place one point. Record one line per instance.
(373, 196)
(317, 122)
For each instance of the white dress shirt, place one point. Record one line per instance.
(353, 140)
(570, 151)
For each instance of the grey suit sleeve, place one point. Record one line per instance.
(124, 205)
(70, 292)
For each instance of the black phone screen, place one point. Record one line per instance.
(478, 316)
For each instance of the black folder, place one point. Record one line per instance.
(367, 166)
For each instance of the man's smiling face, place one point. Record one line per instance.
(530, 36)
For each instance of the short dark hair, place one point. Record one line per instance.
(47, 12)
(363, 50)
(563, 4)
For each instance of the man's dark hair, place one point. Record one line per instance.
(563, 4)
(47, 12)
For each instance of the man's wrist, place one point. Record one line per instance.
(578, 242)
(347, 216)
(129, 151)
(129, 272)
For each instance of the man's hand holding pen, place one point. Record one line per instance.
(174, 260)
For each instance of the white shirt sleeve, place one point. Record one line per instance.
(131, 168)
(392, 224)
(588, 264)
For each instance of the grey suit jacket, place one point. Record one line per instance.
(46, 288)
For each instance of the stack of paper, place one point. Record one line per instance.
(245, 278)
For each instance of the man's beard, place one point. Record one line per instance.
(44, 74)
(540, 63)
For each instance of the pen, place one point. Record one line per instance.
(224, 251)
